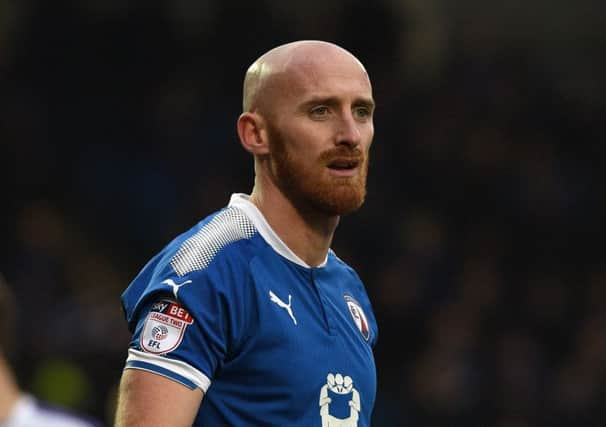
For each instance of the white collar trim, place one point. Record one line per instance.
(242, 201)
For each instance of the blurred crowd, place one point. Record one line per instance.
(481, 242)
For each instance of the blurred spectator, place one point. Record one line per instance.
(18, 408)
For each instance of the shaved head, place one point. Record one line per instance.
(272, 73)
(307, 119)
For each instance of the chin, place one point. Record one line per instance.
(340, 201)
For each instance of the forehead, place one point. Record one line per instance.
(324, 74)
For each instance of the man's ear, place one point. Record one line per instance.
(252, 133)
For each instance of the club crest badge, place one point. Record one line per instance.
(358, 316)
(164, 327)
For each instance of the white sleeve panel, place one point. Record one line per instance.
(181, 371)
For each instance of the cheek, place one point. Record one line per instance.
(305, 146)
(310, 134)
(370, 133)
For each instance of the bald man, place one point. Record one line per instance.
(249, 318)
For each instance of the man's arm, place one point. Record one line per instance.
(147, 399)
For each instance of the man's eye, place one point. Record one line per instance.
(362, 112)
(319, 111)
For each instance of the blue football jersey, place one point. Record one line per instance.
(229, 308)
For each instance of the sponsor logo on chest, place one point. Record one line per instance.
(340, 403)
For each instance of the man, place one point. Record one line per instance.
(17, 408)
(249, 319)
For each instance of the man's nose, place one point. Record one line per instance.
(349, 131)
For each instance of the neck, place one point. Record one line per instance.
(305, 231)
(9, 392)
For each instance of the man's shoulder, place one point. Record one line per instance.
(334, 262)
(222, 235)
(214, 251)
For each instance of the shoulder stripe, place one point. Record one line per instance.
(197, 252)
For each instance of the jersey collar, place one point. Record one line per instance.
(242, 201)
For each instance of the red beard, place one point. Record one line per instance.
(310, 185)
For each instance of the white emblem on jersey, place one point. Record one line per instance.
(341, 389)
(175, 286)
(282, 304)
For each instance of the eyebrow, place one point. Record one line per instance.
(333, 100)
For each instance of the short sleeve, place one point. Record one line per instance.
(184, 327)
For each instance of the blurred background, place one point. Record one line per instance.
(481, 242)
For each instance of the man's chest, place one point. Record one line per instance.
(309, 350)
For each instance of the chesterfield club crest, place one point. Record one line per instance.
(358, 316)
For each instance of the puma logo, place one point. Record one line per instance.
(175, 286)
(287, 307)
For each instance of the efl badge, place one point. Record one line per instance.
(358, 316)
(164, 327)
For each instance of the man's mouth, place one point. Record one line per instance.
(343, 164)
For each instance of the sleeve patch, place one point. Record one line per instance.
(164, 327)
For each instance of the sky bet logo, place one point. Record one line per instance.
(164, 327)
